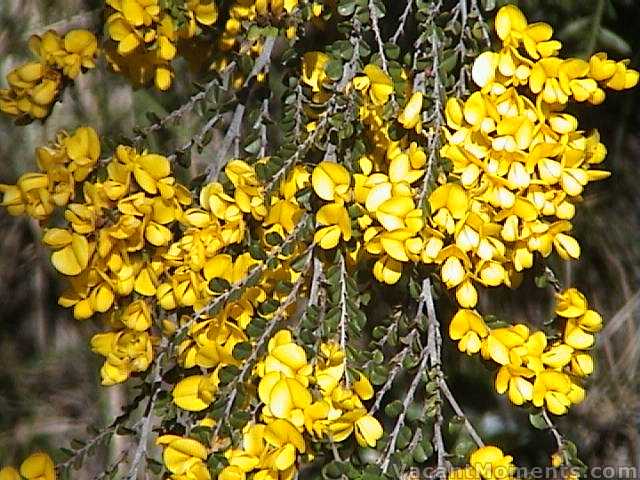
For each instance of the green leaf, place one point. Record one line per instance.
(393, 409)
(332, 470)
(202, 434)
(488, 4)
(391, 50)
(154, 466)
(253, 147)
(346, 7)
(219, 285)
(77, 444)
(152, 117)
(273, 239)
(242, 350)
(404, 437)
(379, 374)
(239, 419)
(455, 425)
(269, 306)
(537, 421)
(541, 281)
(464, 446)
(228, 373)
(333, 69)
(414, 412)
(256, 327)
(183, 157)
(422, 453)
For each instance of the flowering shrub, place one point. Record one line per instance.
(246, 306)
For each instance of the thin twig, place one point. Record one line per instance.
(403, 21)
(386, 459)
(434, 140)
(553, 429)
(146, 420)
(460, 413)
(196, 139)
(343, 305)
(232, 133)
(434, 346)
(373, 13)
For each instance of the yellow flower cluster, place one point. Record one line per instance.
(519, 166)
(383, 193)
(135, 240)
(181, 272)
(147, 37)
(35, 86)
(520, 163)
(486, 463)
(529, 58)
(63, 164)
(532, 368)
(301, 400)
(37, 466)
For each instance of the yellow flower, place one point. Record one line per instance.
(331, 182)
(367, 429)
(126, 352)
(468, 473)
(81, 47)
(363, 387)
(73, 251)
(137, 12)
(38, 466)
(12, 199)
(581, 364)
(338, 222)
(313, 65)
(180, 454)
(204, 11)
(468, 327)
(552, 389)
(9, 473)
(491, 463)
(284, 397)
(575, 336)
(387, 270)
(571, 303)
(410, 116)
(501, 344)
(377, 83)
(512, 28)
(330, 367)
(195, 393)
(516, 381)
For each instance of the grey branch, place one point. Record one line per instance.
(343, 305)
(232, 133)
(403, 21)
(197, 139)
(376, 31)
(146, 420)
(386, 459)
(456, 408)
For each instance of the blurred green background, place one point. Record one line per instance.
(49, 380)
